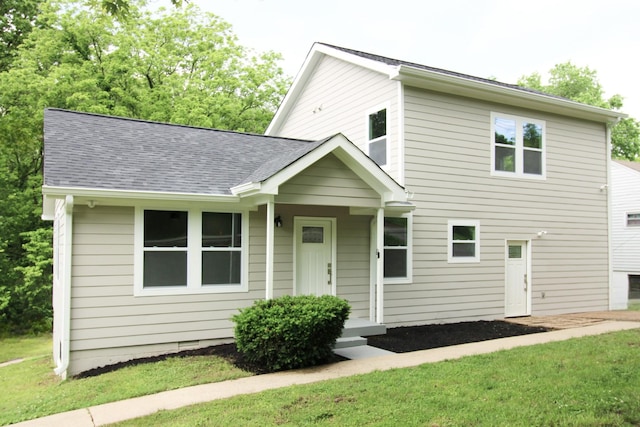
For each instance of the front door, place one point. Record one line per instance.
(314, 256)
(517, 280)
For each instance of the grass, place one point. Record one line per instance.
(24, 347)
(592, 381)
(32, 390)
(634, 306)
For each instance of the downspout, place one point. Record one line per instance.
(609, 214)
(65, 331)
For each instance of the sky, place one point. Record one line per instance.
(502, 39)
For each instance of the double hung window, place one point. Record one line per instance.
(464, 241)
(397, 249)
(377, 136)
(518, 146)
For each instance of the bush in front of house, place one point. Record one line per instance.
(290, 332)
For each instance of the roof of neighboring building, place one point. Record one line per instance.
(84, 150)
(631, 165)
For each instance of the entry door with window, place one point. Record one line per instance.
(517, 280)
(314, 249)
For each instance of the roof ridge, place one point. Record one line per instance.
(134, 119)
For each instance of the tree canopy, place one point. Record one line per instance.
(178, 65)
(581, 84)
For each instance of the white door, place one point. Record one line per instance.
(314, 256)
(517, 280)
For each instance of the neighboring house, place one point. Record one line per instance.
(625, 195)
(487, 201)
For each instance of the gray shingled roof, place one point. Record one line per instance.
(102, 152)
(397, 62)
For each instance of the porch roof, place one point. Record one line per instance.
(91, 155)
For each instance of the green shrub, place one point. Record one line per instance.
(290, 332)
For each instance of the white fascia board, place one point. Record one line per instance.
(353, 158)
(247, 189)
(54, 192)
(313, 58)
(457, 85)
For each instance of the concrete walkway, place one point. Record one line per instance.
(138, 407)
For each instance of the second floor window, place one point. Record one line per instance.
(377, 136)
(518, 147)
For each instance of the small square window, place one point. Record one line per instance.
(463, 241)
(633, 220)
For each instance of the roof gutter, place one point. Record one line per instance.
(487, 91)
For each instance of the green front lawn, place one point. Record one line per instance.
(32, 390)
(592, 381)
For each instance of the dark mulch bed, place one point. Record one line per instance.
(414, 338)
(398, 340)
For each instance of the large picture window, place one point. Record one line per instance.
(518, 146)
(189, 251)
(463, 241)
(377, 136)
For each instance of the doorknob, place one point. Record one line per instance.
(525, 282)
(329, 273)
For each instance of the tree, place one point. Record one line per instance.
(179, 65)
(17, 20)
(581, 85)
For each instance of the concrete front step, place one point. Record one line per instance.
(346, 342)
(357, 327)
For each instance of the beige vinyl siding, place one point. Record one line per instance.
(109, 324)
(448, 152)
(625, 194)
(342, 95)
(104, 312)
(328, 182)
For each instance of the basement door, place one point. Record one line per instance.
(315, 252)
(517, 287)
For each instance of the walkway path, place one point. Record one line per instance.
(141, 406)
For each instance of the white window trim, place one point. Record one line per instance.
(519, 147)
(627, 219)
(194, 254)
(368, 142)
(465, 223)
(409, 278)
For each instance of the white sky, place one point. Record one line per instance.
(505, 39)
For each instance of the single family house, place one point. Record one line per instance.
(625, 196)
(417, 194)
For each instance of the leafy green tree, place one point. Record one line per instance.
(178, 65)
(16, 21)
(581, 84)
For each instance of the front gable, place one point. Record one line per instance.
(328, 182)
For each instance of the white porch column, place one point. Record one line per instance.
(380, 266)
(270, 250)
